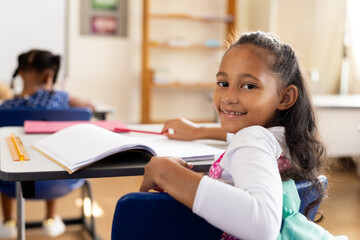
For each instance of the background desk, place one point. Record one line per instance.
(338, 122)
(102, 110)
(40, 168)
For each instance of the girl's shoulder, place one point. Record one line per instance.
(253, 133)
(255, 137)
(54, 99)
(54, 95)
(60, 93)
(48, 93)
(15, 102)
(42, 99)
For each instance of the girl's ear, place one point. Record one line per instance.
(289, 96)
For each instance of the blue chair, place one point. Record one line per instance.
(16, 117)
(308, 193)
(157, 216)
(46, 190)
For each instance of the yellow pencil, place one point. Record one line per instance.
(18, 150)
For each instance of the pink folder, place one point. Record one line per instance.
(54, 126)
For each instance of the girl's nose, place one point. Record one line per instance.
(231, 96)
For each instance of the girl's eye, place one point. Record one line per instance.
(222, 84)
(249, 86)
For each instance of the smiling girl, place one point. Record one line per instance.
(262, 99)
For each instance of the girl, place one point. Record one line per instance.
(39, 70)
(262, 99)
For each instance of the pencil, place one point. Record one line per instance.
(133, 130)
(18, 150)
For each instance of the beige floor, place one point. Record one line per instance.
(341, 208)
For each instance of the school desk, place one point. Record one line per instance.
(40, 168)
(102, 110)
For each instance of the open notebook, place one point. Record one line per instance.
(80, 145)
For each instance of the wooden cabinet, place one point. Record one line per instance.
(181, 49)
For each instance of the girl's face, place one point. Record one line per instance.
(247, 93)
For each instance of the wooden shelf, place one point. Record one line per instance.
(190, 47)
(209, 85)
(227, 18)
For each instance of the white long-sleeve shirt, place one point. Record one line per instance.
(247, 201)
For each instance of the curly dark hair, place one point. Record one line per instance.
(301, 133)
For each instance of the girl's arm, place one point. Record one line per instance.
(252, 208)
(78, 102)
(172, 175)
(187, 130)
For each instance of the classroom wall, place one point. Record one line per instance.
(108, 70)
(22, 27)
(314, 28)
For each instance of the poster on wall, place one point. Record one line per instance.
(103, 25)
(104, 4)
(104, 18)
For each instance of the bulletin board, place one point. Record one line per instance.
(28, 24)
(104, 18)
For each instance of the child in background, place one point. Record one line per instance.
(38, 69)
(262, 99)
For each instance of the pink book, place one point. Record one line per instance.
(54, 126)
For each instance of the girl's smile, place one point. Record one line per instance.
(231, 114)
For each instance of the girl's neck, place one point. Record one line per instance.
(30, 89)
(35, 81)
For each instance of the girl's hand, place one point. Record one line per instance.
(181, 129)
(155, 170)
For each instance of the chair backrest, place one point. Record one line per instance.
(308, 194)
(158, 216)
(16, 117)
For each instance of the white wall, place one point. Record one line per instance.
(106, 69)
(22, 27)
(314, 28)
